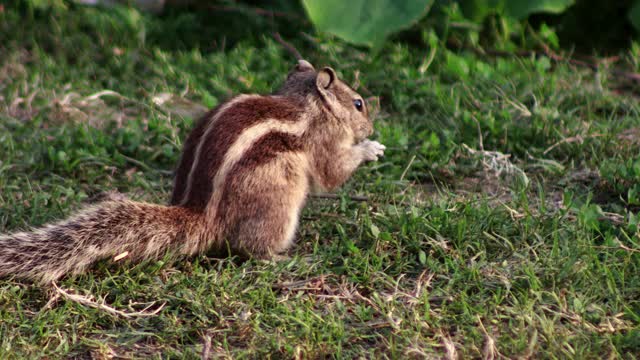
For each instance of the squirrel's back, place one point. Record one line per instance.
(240, 121)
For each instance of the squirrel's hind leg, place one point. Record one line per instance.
(266, 237)
(263, 219)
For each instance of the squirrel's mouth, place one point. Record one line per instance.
(362, 132)
(360, 139)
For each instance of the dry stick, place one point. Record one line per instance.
(619, 247)
(577, 138)
(287, 46)
(88, 301)
(54, 299)
(449, 346)
(480, 140)
(335, 196)
(404, 173)
(490, 350)
(356, 84)
(626, 248)
(206, 347)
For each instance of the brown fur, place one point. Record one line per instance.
(300, 81)
(222, 134)
(245, 173)
(188, 155)
(109, 229)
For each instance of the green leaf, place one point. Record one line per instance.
(589, 215)
(422, 257)
(549, 36)
(634, 15)
(365, 22)
(519, 9)
(458, 65)
(633, 195)
(375, 231)
(477, 10)
(47, 4)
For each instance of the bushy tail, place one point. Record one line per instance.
(112, 229)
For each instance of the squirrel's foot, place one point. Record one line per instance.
(371, 150)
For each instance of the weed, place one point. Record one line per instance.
(444, 259)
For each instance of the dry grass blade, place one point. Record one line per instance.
(404, 173)
(490, 350)
(578, 138)
(290, 48)
(626, 248)
(338, 197)
(450, 347)
(206, 347)
(498, 163)
(90, 302)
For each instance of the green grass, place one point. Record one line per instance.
(447, 257)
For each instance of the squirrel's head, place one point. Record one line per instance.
(338, 99)
(344, 103)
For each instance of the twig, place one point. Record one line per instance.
(490, 349)
(612, 217)
(314, 284)
(54, 299)
(206, 346)
(121, 256)
(426, 62)
(577, 138)
(425, 277)
(480, 140)
(449, 346)
(287, 46)
(145, 166)
(619, 247)
(407, 168)
(356, 83)
(102, 93)
(88, 301)
(626, 248)
(335, 196)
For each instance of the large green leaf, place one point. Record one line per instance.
(519, 9)
(365, 22)
(634, 15)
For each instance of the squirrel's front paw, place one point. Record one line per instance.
(371, 150)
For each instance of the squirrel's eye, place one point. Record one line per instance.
(358, 104)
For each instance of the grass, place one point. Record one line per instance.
(502, 222)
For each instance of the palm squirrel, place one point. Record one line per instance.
(245, 172)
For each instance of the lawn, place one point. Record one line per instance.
(503, 220)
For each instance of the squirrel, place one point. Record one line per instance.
(246, 170)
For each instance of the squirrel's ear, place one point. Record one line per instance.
(304, 65)
(325, 78)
